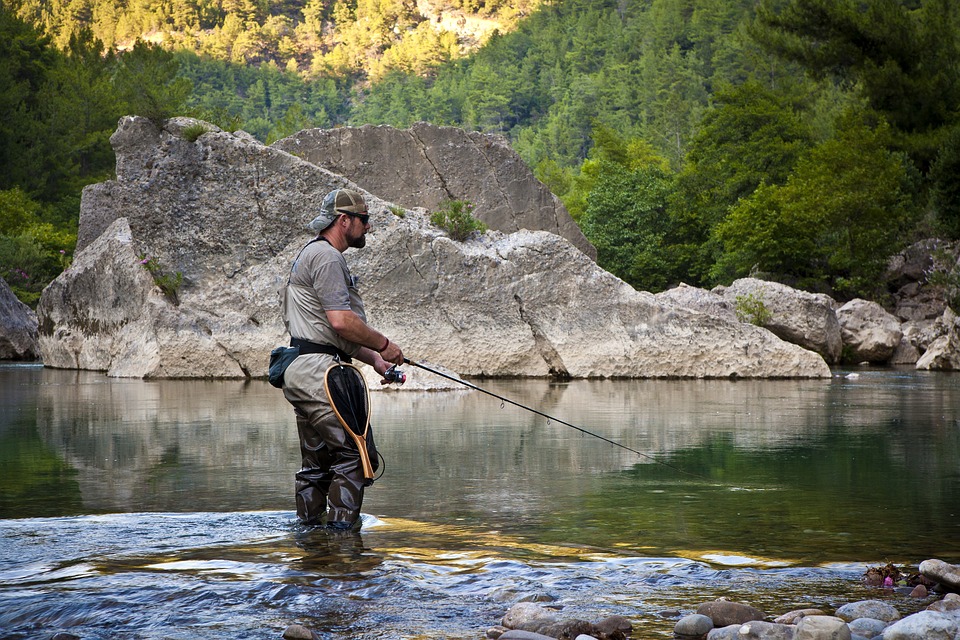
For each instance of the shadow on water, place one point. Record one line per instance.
(161, 509)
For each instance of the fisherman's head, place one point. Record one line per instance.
(347, 208)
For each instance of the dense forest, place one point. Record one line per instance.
(693, 141)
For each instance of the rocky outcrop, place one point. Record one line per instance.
(914, 297)
(931, 335)
(229, 215)
(18, 327)
(806, 319)
(683, 295)
(868, 332)
(943, 354)
(426, 165)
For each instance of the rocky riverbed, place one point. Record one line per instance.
(875, 619)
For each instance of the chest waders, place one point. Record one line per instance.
(350, 401)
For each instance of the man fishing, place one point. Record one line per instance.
(324, 315)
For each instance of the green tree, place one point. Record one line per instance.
(752, 136)
(625, 219)
(945, 184)
(396, 102)
(833, 223)
(487, 104)
(903, 57)
(32, 252)
(146, 79)
(81, 109)
(26, 60)
(292, 122)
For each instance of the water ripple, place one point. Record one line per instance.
(208, 575)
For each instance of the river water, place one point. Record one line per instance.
(164, 509)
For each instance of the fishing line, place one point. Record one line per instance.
(549, 418)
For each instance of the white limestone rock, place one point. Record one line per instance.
(425, 165)
(230, 215)
(869, 333)
(18, 327)
(803, 318)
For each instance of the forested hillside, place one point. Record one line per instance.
(693, 140)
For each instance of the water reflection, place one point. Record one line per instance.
(815, 465)
(147, 508)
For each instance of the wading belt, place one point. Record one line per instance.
(351, 402)
(312, 347)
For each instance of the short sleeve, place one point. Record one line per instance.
(330, 281)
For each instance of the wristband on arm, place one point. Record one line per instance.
(385, 345)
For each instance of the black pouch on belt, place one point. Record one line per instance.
(280, 359)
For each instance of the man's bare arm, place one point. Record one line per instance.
(351, 327)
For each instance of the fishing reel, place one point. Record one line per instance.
(395, 375)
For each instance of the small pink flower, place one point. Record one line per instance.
(888, 581)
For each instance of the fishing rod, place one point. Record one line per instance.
(547, 416)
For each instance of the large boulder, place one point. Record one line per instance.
(105, 312)
(869, 333)
(18, 327)
(229, 215)
(806, 319)
(425, 165)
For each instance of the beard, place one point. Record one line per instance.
(358, 242)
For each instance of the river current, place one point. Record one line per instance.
(164, 509)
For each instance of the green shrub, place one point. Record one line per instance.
(194, 131)
(169, 283)
(456, 218)
(27, 266)
(400, 212)
(32, 252)
(751, 308)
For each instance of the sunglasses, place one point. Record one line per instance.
(364, 217)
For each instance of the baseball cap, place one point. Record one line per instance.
(337, 202)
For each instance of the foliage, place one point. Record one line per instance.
(835, 220)
(193, 132)
(147, 81)
(311, 36)
(25, 60)
(267, 102)
(945, 185)
(625, 221)
(902, 57)
(169, 282)
(456, 218)
(32, 252)
(751, 136)
(751, 308)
